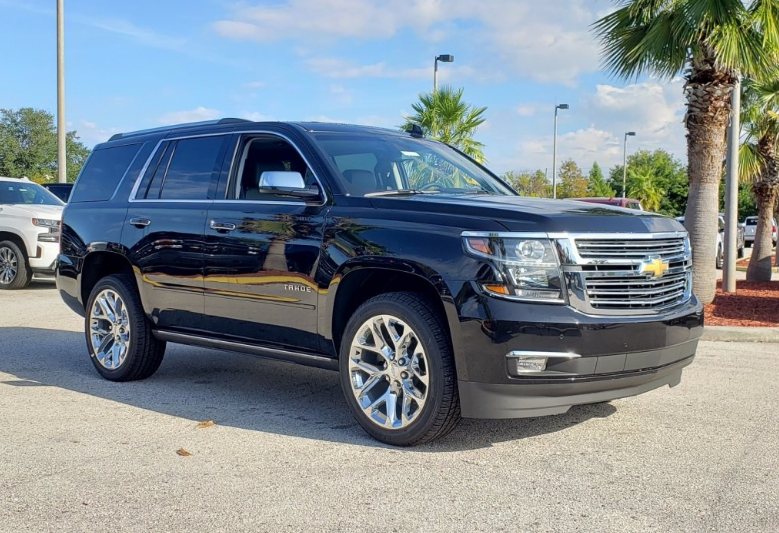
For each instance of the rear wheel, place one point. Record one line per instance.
(119, 336)
(720, 257)
(397, 370)
(15, 273)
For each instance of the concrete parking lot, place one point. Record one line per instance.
(78, 453)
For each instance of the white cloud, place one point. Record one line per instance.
(651, 109)
(537, 40)
(256, 116)
(339, 68)
(198, 114)
(90, 133)
(254, 84)
(527, 110)
(341, 94)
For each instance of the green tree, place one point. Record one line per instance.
(598, 186)
(444, 116)
(669, 176)
(642, 186)
(571, 182)
(710, 42)
(529, 183)
(759, 165)
(28, 146)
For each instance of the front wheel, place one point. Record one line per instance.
(14, 271)
(397, 370)
(119, 336)
(720, 258)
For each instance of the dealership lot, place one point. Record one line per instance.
(78, 453)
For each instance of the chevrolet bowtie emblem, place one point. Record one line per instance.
(654, 266)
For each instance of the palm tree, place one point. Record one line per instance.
(759, 164)
(642, 187)
(711, 43)
(445, 117)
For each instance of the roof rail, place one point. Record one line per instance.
(179, 127)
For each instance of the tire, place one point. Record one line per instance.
(431, 409)
(720, 258)
(131, 352)
(741, 252)
(15, 271)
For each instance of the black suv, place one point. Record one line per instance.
(429, 285)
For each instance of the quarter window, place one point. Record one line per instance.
(192, 167)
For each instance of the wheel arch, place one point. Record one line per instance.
(358, 281)
(16, 239)
(98, 264)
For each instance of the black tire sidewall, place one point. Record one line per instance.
(420, 427)
(117, 284)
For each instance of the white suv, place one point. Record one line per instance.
(29, 231)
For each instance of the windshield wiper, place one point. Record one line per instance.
(399, 192)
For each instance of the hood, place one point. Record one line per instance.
(519, 213)
(52, 212)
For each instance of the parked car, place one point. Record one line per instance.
(29, 232)
(60, 190)
(432, 288)
(750, 224)
(740, 241)
(630, 203)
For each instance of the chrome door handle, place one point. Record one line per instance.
(139, 222)
(222, 227)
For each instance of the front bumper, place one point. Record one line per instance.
(551, 397)
(616, 356)
(45, 260)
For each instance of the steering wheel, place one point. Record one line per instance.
(431, 186)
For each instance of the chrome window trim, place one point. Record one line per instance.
(132, 198)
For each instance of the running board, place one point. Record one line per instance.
(300, 358)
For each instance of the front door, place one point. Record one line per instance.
(262, 252)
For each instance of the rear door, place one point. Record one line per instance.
(263, 251)
(165, 224)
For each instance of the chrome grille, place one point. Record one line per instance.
(630, 249)
(611, 273)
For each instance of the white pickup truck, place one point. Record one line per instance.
(721, 240)
(29, 232)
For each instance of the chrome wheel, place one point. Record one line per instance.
(9, 265)
(109, 329)
(388, 371)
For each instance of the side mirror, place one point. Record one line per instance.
(286, 183)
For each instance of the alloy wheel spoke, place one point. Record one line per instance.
(389, 372)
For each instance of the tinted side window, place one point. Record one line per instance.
(191, 168)
(150, 184)
(103, 172)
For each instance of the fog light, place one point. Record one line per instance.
(531, 364)
(522, 363)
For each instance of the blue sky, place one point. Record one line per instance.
(139, 64)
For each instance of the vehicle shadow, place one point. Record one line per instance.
(240, 391)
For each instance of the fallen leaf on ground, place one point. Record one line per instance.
(205, 424)
(183, 453)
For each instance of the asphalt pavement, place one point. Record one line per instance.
(78, 453)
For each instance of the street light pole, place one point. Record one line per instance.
(443, 58)
(731, 193)
(625, 160)
(554, 150)
(62, 174)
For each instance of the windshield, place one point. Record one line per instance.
(378, 165)
(26, 192)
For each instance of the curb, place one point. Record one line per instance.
(739, 334)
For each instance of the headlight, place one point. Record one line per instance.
(46, 222)
(527, 267)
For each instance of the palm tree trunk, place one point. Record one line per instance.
(760, 263)
(708, 107)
